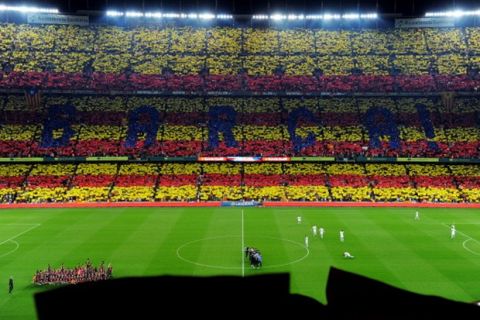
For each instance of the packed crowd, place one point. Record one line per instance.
(341, 127)
(43, 183)
(220, 58)
(103, 58)
(186, 50)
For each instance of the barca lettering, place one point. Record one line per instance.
(58, 117)
(425, 120)
(381, 122)
(144, 119)
(293, 118)
(222, 119)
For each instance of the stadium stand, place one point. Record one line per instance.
(105, 126)
(224, 58)
(86, 182)
(410, 111)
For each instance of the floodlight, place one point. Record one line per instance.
(206, 16)
(133, 14)
(224, 16)
(113, 13)
(153, 14)
(278, 17)
(27, 9)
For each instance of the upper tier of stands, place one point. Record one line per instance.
(227, 51)
(221, 58)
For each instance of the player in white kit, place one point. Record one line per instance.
(453, 231)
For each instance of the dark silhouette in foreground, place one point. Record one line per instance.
(225, 297)
(357, 297)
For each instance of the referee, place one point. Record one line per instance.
(10, 285)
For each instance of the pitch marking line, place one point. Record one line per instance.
(236, 268)
(17, 245)
(468, 249)
(465, 242)
(11, 251)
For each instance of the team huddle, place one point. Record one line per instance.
(254, 256)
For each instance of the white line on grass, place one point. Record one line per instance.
(464, 242)
(243, 248)
(468, 249)
(35, 225)
(301, 245)
(16, 236)
(11, 251)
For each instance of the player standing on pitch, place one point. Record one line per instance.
(453, 231)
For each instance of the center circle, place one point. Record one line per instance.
(222, 255)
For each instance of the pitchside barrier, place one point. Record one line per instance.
(359, 159)
(240, 204)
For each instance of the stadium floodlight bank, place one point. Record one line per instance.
(326, 16)
(169, 15)
(223, 16)
(27, 9)
(454, 14)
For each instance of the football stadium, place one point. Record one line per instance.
(206, 139)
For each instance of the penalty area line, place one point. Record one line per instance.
(467, 240)
(17, 245)
(19, 234)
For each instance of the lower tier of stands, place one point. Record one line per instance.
(84, 182)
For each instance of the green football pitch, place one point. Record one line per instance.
(388, 244)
